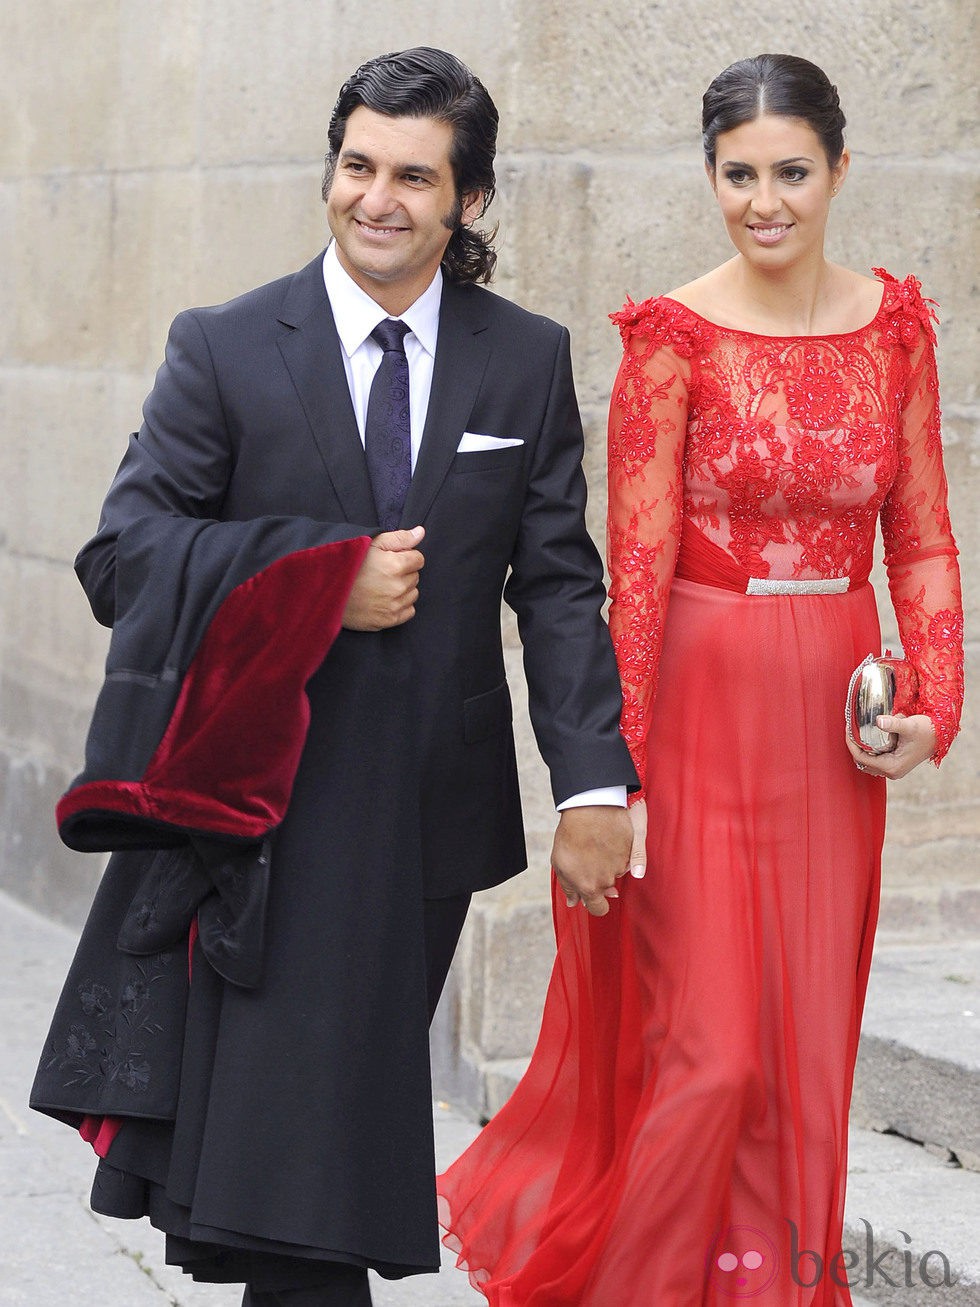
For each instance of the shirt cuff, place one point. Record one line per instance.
(611, 796)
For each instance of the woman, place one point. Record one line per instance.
(680, 1136)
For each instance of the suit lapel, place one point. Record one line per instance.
(462, 354)
(311, 350)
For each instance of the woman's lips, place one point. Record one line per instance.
(771, 234)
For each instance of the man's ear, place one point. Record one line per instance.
(472, 207)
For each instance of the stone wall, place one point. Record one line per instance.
(156, 156)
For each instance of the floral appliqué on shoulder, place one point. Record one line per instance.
(664, 322)
(907, 308)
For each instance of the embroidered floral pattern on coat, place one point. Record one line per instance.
(109, 1045)
(785, 452)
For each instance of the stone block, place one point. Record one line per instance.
(919, 215)
(63, 249)
(907, 915)
(929, 911)
(256, 224)
(906, 84)
(456, 1078)
(10, 274)
(94, 87)
(508, 975)
(155, 121)
(261, 109)
(34, 865)
(60, 87)
(961, 453)
(215, 234)
(52, 656)
(669, 233)
(156, 260)
(258, 108)
(601, 78)
(597, 77)
(501, 1081)
(53, 454)
(538, 195)
(483, 36)
(937, 851)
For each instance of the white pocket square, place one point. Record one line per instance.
(473, 441)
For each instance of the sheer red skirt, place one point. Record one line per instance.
(680, 1137)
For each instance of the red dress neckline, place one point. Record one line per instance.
(762, 335)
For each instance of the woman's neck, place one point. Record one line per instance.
(797, 301)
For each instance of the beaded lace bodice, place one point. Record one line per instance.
(785, 452)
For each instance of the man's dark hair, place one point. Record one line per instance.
(428, 83)
(780, 84)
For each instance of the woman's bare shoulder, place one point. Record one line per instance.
(704, 294)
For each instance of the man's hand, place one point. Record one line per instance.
(387, 586)
(591, 849)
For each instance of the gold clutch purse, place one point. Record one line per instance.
(878, 686)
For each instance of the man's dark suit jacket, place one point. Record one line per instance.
(251, 416)
(294, 1116)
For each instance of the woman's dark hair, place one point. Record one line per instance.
(428, 83)
(780, 84)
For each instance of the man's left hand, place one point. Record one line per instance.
(591, 850)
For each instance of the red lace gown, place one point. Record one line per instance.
(679, 1139)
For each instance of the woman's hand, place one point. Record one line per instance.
(916, 743)
(638, 853)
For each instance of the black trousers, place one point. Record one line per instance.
(347, 1287)
(344, 1285)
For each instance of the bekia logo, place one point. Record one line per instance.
(889, 1265)
(743, 1262)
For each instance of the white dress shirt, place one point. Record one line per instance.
(356, 315)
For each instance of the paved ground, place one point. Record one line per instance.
(53, 1251)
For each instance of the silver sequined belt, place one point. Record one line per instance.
(764, 585)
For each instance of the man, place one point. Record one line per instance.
(376, 393)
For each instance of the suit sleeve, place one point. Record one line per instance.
(179, 464)
(556, 591)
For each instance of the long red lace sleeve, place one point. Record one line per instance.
(920, 553)
(647, 422)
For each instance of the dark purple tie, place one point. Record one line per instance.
(388, 427)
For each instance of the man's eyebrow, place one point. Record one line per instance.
(422, 169)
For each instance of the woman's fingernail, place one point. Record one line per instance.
(571, 900)
(639, 871)
(612, 893)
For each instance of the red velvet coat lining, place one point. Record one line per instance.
(226, 762)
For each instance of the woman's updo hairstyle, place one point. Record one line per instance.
(780, 84)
